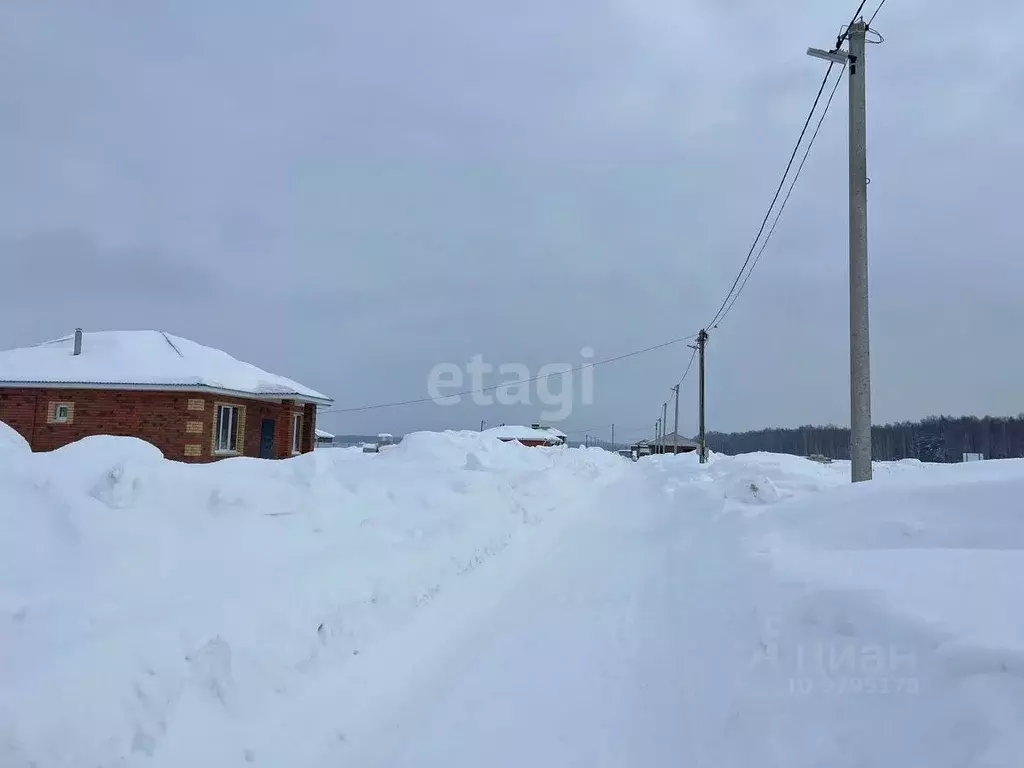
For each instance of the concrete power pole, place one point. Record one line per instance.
(860, 355)
(664, 426)
(657, 435)
(613, 437)
(675, 429)
(702, 343)
(860, 348)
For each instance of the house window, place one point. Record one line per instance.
(62, 413)
(296, 433)
(227, 429)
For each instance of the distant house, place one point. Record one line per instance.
(670, 442)
(641, 448)
(323, 437)
(525, 435)
(562, 437)
(194, 403)
(385, 441)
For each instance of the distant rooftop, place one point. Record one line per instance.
(552, 430)
(143, 360)
(521, 433)
(670, 439)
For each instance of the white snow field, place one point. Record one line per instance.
(459, 601)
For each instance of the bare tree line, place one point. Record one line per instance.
(936, 438)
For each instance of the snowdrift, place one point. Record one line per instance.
(142, 598)
(868, 624)
(756, 610)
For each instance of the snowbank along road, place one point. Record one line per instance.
(458, 601)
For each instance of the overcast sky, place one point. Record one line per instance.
(349, 193)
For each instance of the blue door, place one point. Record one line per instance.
(267, 439)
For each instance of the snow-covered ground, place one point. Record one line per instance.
(458, 601)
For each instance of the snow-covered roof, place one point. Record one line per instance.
(520, 433)
(143, 360)
(550, 430)
(670, 439)
(324, 435)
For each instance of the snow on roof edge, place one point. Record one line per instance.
(148, 360)
(516, 432)
(143, 386)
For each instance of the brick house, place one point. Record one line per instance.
(194, 403)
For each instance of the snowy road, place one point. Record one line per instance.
(614, 649)
(584, 663)
(652, 634)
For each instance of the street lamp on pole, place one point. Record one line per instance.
(860, 347)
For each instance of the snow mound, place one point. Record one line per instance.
(149, 607)
(946, 547)
(486, 603)
(11, 441)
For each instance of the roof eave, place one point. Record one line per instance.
(297, 396)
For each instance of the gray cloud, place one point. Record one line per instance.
(372, 188)
(68, 265)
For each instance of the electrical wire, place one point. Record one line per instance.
(738, 284)
(871, 20)
(846, 32)
(743, 276)
(518, 382)
(730, 297)
(782, 207)
(775, 198)
(689, 365)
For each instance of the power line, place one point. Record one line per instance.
(744, 273)
(778, 214)
(518, 382)
(843, 35)
(775, 198)
(846, 32)
(876, 12)
(598, 428)
(689, 365)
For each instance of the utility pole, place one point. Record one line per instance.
(675, 431)
(664, 424)
(482, 422)
(613, 437)
(657, 436)
(860, 348)
(702, 342)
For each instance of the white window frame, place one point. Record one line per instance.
(227, 439)
(57, 418)
(296, 434)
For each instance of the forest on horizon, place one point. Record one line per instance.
(935, 438)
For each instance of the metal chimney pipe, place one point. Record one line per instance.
(78, 341)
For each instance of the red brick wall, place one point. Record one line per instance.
(308, 427)
(171, 421)
(529, 442)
